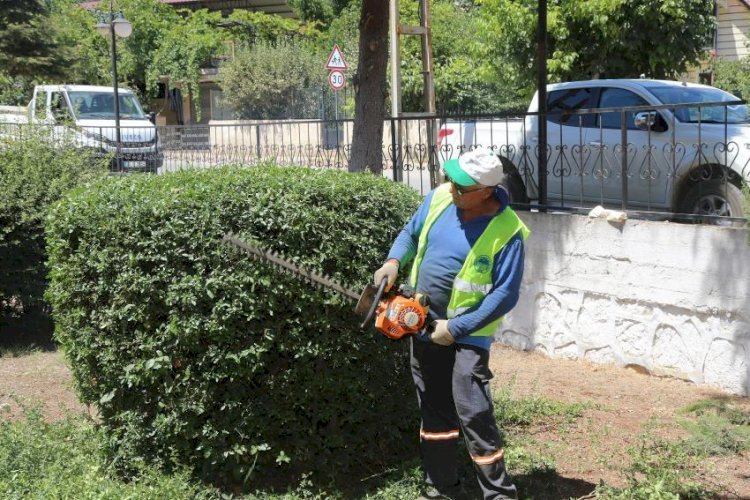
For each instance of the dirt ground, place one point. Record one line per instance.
(621, 404)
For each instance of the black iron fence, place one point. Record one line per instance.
(653, 161)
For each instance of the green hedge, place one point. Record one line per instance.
(34, 173)
(194, 354)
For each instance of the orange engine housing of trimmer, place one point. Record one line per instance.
(396, 312)
(401, 314)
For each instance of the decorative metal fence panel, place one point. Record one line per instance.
(689, 159)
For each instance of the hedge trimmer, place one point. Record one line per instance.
(398, 312)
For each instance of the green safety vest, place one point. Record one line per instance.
(474, 281)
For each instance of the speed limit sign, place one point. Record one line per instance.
(336, 79)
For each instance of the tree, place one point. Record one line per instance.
(370, 88)
(459, 70)
(257, 86)
(323, 11)
(28, 43)
(87, 52)
(187, 46)
(595, 38)
(150, 19)
(733, 76)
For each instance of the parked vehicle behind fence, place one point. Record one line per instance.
(85, 116)
(676, 147)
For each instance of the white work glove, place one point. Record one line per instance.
(441, 335)
(388, 270)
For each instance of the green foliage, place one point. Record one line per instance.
(28, 44)
(194, 354)
(87, 52)
(733, 76)
(186, 46)
(247, 27)
(67, 460)
(34, 173)
(150, 19)
(511, 411)
(314, 10)
(720, 428)
(15, 90)
(256, 85)
(659, 470)
(459, 69)
(589, 38)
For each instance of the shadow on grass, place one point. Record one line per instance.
(25, 321)
(31, 330)
(549, 485)
(405, 481)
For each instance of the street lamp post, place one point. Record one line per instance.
(115, 24)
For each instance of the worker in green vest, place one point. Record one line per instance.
(466, 248)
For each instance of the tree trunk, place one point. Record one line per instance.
(370, 88)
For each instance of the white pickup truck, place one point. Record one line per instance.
(681, 158)
(85, 115)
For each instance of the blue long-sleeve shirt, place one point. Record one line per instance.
(448, 244)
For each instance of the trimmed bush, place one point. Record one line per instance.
(34, 173)
(195, 354)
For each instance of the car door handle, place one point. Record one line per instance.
(596, 144)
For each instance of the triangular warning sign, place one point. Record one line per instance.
(336, 59)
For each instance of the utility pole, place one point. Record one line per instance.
(541, 84)
(425, 32)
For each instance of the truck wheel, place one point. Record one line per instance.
(713, 197)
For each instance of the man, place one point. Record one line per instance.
(467, 246)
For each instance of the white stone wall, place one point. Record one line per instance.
(673, 299)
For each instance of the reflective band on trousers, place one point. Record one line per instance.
(497, 456)
(438, 436)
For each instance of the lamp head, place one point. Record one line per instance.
(102, 28)
(123, 28)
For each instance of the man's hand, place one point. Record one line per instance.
(388, 270)
(442, 335)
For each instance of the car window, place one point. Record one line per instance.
(561, 102)
(737, 113)
(618, 98)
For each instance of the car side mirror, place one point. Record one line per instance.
(650, 120)
(152, 117)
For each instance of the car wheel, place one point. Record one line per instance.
(714, 197)
(513, 183)
(516, 191)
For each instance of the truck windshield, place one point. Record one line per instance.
(93, 105)
(709, 114)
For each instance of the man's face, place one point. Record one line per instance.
(470, 197)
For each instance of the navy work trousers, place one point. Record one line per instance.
(454, 395)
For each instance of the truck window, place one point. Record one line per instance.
(618, 98)
(40, 105)
(59, 107)
(94, 104)
(561, 102)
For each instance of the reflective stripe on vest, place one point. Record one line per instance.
(474, 280)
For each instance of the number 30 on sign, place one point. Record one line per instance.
(336, 79)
